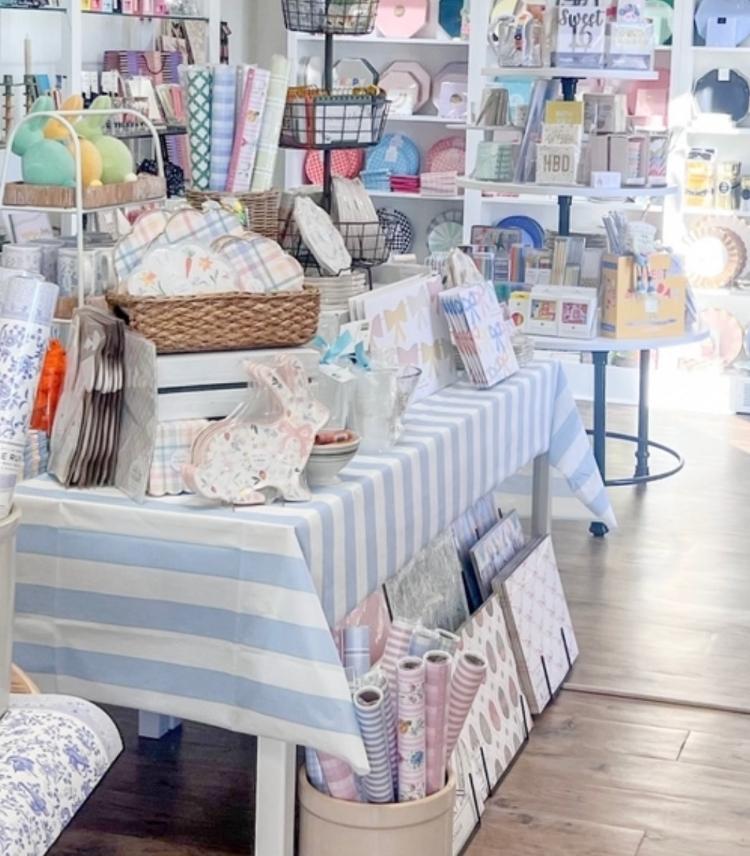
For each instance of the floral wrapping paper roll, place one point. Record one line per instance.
(438, 666)
(369, 707)
(356, 643)
(339, 778)
(27, 305)
(468, 675)
(410, 676)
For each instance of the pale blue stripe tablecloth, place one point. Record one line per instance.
(221, 616)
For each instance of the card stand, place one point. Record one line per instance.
(318, 121)
(330, 17)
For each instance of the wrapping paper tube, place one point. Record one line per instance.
(422, 641)
(314, 770)
(438, 665)
(27, 305)
(396, 647)
(369, 706)
(357, 650)
(411, 729)
(447, 641)
(268, 142)
(222, 124)
(377, 678)
(468, 675)
(339, 778)
(198, 92)
(249, 124)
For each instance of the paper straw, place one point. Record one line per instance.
(339, 778)
(249, 124)
(396, 647)
(467, 677)
(438, 665)
(268, 143)
(198, 93)
(314, 770)
(377, 678)
(222, 124)
(447, 641)
(369, 706)
(422, 641)
(411, 729)
(357, 649)
(27, 305)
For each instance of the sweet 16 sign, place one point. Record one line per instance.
(580, 36)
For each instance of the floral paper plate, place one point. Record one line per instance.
(321, 237)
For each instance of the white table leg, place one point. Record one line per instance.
(541, 498)
(274, 798)
(155, 725)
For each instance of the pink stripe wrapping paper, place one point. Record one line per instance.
(249, 123)
(396, 647)
(411, 729)
(468, 675)
(438, 666)
(369, 707)
(339, 778)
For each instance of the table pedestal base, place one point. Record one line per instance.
(276, 769)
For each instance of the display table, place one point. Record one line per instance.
(222, 616)
(54, 750)
(600, 349)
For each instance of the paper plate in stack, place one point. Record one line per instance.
(336, 291)
(726, 341)
(396, 153)
(403, 230)
(445, 232)
(716, 253)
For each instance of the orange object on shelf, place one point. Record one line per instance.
(50, 387)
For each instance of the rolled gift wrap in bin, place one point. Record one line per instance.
(339, 778)
(314, 770)
(422, 641)
(268, 142)
(27, 305)
(198, 89)
(447, 641)
(357, 649)
(468, 676)
(223, 101)
(369, 706)
(377, 678)
(396, 647)
(438, 665)
(410, 676)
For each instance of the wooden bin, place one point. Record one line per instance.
(145, 189)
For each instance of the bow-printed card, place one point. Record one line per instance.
(407, 327)
(480, 332)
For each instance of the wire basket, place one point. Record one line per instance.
(318, 121)
(370, 244)
(333, 17)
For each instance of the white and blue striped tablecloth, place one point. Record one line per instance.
(221, 616)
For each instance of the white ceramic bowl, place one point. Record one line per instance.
(324, 468)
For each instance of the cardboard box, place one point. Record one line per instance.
(630, 314)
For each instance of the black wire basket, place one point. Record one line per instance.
(332, 17)
(313, 120)
(369, 244)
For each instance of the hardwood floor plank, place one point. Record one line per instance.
(717, 750)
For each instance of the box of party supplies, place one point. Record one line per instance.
(642, 301)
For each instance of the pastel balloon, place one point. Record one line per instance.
(49, 162)
(117, 159)
(32, 130)
(92, 127)
(55, 130)
(91, 162)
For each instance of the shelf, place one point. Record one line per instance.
(549, 73)
(624, 205)
(718, 132)
(62, 9)
(712, 50)
(417, 197)
(382, 41)
(73, 210)
(714, 212)
(120, 16)
(168, 131)
(564, 190)
(421, 120)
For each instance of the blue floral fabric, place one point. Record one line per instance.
(54, 750)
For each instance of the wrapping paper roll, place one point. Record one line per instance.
(222, 124)
(447, 641)
(27, 305)
(468, 675)
(422, 641)
(377, 678)
(314, 770)
(357, 650)
(438, 665)
(268, 143)
(249, 124)
(369, 706)
(396, 647)
(198, 87)
(339, 778)
(411, 729)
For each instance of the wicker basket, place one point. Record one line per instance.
(262, 207)
(221, 322)
(145, 189)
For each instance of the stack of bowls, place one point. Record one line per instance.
(328, 459)
(335, 291)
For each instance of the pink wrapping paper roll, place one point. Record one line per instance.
(396, 646)
(468, 675)
(410, 677)
(339, 778)
(438, 665)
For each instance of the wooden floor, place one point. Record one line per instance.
(661, 610)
